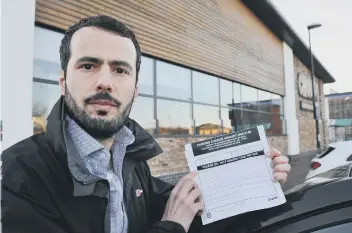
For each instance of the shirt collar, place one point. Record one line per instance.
(84, 143)
(82, 139)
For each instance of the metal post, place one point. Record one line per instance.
(313, 96)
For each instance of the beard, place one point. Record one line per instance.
(96, 127)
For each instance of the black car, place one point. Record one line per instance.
(322, 204)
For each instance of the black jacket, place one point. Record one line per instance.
(37, 187)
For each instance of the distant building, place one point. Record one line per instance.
(340, 114)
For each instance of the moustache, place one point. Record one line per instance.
(102, 96)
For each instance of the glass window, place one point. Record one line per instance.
(146, 76)
(46, 70)
(264, 101)
(249, 97)
(225, 92)
(234, 119)
(47, 44)
(237, 95)
(238, 120)
(207, 120)
(44, 98)
(277, 104)
(272, 123)
(174, 117)
(143, 113)
(173, 81)
(205, 88)
(226, 120)
(251, 119)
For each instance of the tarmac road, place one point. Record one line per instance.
(300, 167)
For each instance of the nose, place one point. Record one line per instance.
(104, 82)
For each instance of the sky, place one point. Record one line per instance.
(331, 43)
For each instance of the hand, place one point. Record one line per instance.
(184, 202)
(280, 165)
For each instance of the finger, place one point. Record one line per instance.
(274, 153)
(282, 168)
(280, 177)
(280, 160)
(179, 184)
(200, 212)
(184, 192)
(187, 187)
(198, 207)
(194, 195)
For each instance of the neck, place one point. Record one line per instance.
(107, 143)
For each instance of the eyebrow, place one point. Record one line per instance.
(101, 61)
(120, 63)
(89, 59)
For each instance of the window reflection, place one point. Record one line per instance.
(277, 105)
(173, 81)
(46, 70)
(207, 120)
(277, 122)
(237, 95)
(174, 117)
(264, 101)
(205, 88)
(143, 113)
(225, 92)
(146, 76)
(251, 119)
(226, 121)
(44, 97)
(249, 97)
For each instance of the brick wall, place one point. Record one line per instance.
(305, 117)
(173, 161)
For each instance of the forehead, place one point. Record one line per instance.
(96, 42)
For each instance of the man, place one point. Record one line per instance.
(88, 173)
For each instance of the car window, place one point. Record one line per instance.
(343, 228)
(349, 158)
(339, 172)
(326, 152)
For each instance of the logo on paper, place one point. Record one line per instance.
(139, 192)
(209, 215)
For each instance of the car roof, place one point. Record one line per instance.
(305, 201)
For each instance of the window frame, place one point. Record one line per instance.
(192, 102)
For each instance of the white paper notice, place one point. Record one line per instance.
(234, 174)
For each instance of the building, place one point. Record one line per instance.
(340, 114)
(208, 67)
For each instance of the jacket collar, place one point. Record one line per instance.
(143, 148)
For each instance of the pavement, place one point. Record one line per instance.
(300, 168)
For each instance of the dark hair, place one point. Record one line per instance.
(103, 22)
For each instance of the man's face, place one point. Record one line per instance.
(100, 84)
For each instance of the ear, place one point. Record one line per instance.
(62, 82)
(136, 91)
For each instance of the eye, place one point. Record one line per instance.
(87, 67)
(121, 71)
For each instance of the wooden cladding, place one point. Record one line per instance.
(221, 37)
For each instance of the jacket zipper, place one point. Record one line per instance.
(126, 192)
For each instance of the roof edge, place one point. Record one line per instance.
(272, 19)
